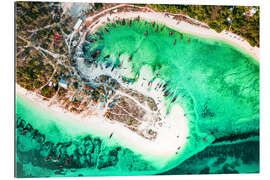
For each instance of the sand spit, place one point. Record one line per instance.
(171, 136)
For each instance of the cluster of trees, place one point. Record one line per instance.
(37, 23)
(48, 91)
(236, 19)
(33, 15)
(33, 74)
(98, 5)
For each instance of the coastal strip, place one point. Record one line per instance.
(181, 26)
(159, 151)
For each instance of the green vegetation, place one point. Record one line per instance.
(98, 5)
(34, 73)
(37, 26)
(237, 19)
(48, 91)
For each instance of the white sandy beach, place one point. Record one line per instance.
(181, 26)
(170, 137)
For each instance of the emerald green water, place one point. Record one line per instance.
(217, 86)
(50, 135)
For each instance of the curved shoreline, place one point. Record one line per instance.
(182, 26)
(168, 135)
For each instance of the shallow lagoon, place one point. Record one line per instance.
(217, 85)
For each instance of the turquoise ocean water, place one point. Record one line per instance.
(216, 84)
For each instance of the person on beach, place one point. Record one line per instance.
(111, 135)
(161, 29)
(123, 22)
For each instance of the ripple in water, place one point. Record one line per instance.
(215, 83)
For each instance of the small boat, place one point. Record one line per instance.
(153, 25)
(129, 59)
(69, 159)
(204, 138)
(170, 34)
(156, 29)
(59, 166)
(174, 42)
(108, 65)
(100, 38)
(174, 99)
(98, 33)
(189, 41)
(48, 158)
(111, 135)
(112, 69)
(145, 33)
(181, 36)
(24, 131)
(129, 23)
(165, 85)
(166, 95)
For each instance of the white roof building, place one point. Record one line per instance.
(74, 43)
(229, 19)
(253, 11)
(77, 25)
(63, 84)
(171, 16)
